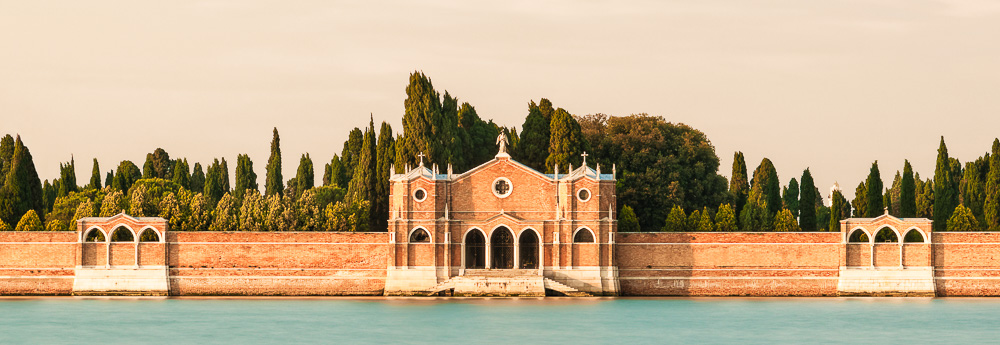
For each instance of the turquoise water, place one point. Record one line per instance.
(520, 321)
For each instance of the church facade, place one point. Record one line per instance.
(502, 228)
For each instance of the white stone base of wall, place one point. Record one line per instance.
(886, 281)
(595, 280)
(428, 280)
(117, 281)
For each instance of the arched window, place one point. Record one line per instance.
(94, 235)
(913, 236)
(886, 235)
(419, 236)
(502, 248)
(583, 236)
(122, 234)
(475, 250)
(149, 235)
(528, 249)
(858, 236)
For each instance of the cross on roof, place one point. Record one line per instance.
(421, 155)
(584, 155)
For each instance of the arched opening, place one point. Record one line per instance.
(885, 235)
(913, 236)
(149, 235)
(583, 236)
(475, 250)
(122, 234)
(858, 236)
(528, 250)
(94, 235)
(419, 236)
(502, 249)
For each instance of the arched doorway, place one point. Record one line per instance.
(502, 249)
(475, 250)
(528, 250)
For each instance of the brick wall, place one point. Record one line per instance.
(37, 263)
(967, 264)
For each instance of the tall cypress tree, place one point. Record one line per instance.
(95, 176)
(739, 184)
(386, 154)
(837, 202)
(147, 168)
(482, 137)
(6, 157)
(274, 185)
(22, 190)
(305, 177)
(363, 182)
(766, 187)
(874, 201)
(338, 172)
(566, 141)
(790, 197)
(67, 178)
(245, 177)
(945, 198)
(109, 180)
(533, 146)
(182, 174)
(160, 163)
(907, 195)
(807, 202)
(225, 175)
(991, 209)
(972, 187)
(126, 175)
(422, 121)
(197, 178)
(860, 202)
(216, 181)
(349, 155)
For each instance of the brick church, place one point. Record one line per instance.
(502, 228)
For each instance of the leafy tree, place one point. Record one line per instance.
(113, 203)
(336, 173)
(754, 217)
(309, 215)
(305, 177)
(860, 201)
(807, 212)
(197, 178)
(201, 214)
(693, 221)
(138, 203)
(55, 225)
(66, 207)
(386, 154)
(482, 135)
(739, 184)
(245, 177)
(125, 176)
(874, 202)
(182, 174)
(725, 218)
(273, 184)
(346, 216)
(945, 199)
(907, 193)
(766, 187)
(961, 219)
(790, 197)
(95, 177)
(991, 207)
(565, 141)
(22, 190)
(676, 220)
(627, 221)
(29, 222)
(534, 141)
(84, 210)
(170, 209)
(705, 224)
(226, 215)
(784, 221)
(252, 211)
(4, 227)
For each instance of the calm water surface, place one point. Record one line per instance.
(519, 321)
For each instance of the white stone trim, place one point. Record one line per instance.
(430, 238)
(135, 237)
(590, 194)
(83, 237)
(510, 187)
(419, 189)
(592, 234)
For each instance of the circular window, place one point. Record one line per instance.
(583, 194)
(502, 187)
(420, 194)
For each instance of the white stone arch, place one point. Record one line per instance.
(927, 239)
(489, 244)
(476, 228)
(517, 246)
(899, 237)
(850, 234)
(135, 237)
(430, 237)
(512, 233)
(582, 228)
(107, 238)
(465, 240)
(159, 235)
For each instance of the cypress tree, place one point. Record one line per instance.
(860, 202)
(349, 155)
(225, 175)
(766, 187)
(705, 224)
(363, 182)
(147, 168)
(273, 185)
(972, 187)
(790, 197)
(627, 221)
(95, 176)
(807, 202)
(456, 139)
(676, 220)
(386, 156)
(991, 209)
(945, 199)
(67, 178)
(566, 141)
(425, 126)
(874, 201)
(6, 157)
(162, 163)
(892, 195)
(533, 147)
(22, 190)
(216, 181)
(836, 205)
(962, 219)
(109, 179)
(907, 196)
(304, 178)
(725, 219)
(182, 174)
(693, 221)
(482, 137)
(784, 221)
(338, 172)
(739, 184)
(245, 177)
(29, 222)
(197, 179)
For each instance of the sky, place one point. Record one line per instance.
(830, 85)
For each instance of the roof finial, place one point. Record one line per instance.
(421, 155)
(502, 141)
(887, 210)
(584, 155)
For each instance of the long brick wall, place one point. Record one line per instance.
(37, 263)
(967, 263)
(728, 264)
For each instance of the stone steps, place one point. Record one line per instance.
(563, 288)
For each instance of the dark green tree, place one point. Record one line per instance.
(216, 181)
(125, 176)
(182, 174)
(739, 184)
(245, 177)
(22, 190)
(767, 187)
(907, 195)
(147, 168)
(725, 219)
(972, 187)
(860, 201)
(840, 209)
(109, 179)
(95, 176)
(338, 173)
(363, 182)
(386, 154)
(565, 142)
(273, 184)
(6, 158)
(962, 219)
(198, 179)
(790, 197)
(991, 209)
(67, 178)
(627, 221)
(160, 163)
(807, 202)
(533, 147)
(305, 177)
(482, 137)
(874, 203)
(349, 155)
(945, 198)
(676, 220)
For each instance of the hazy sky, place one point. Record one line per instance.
(832, 85)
